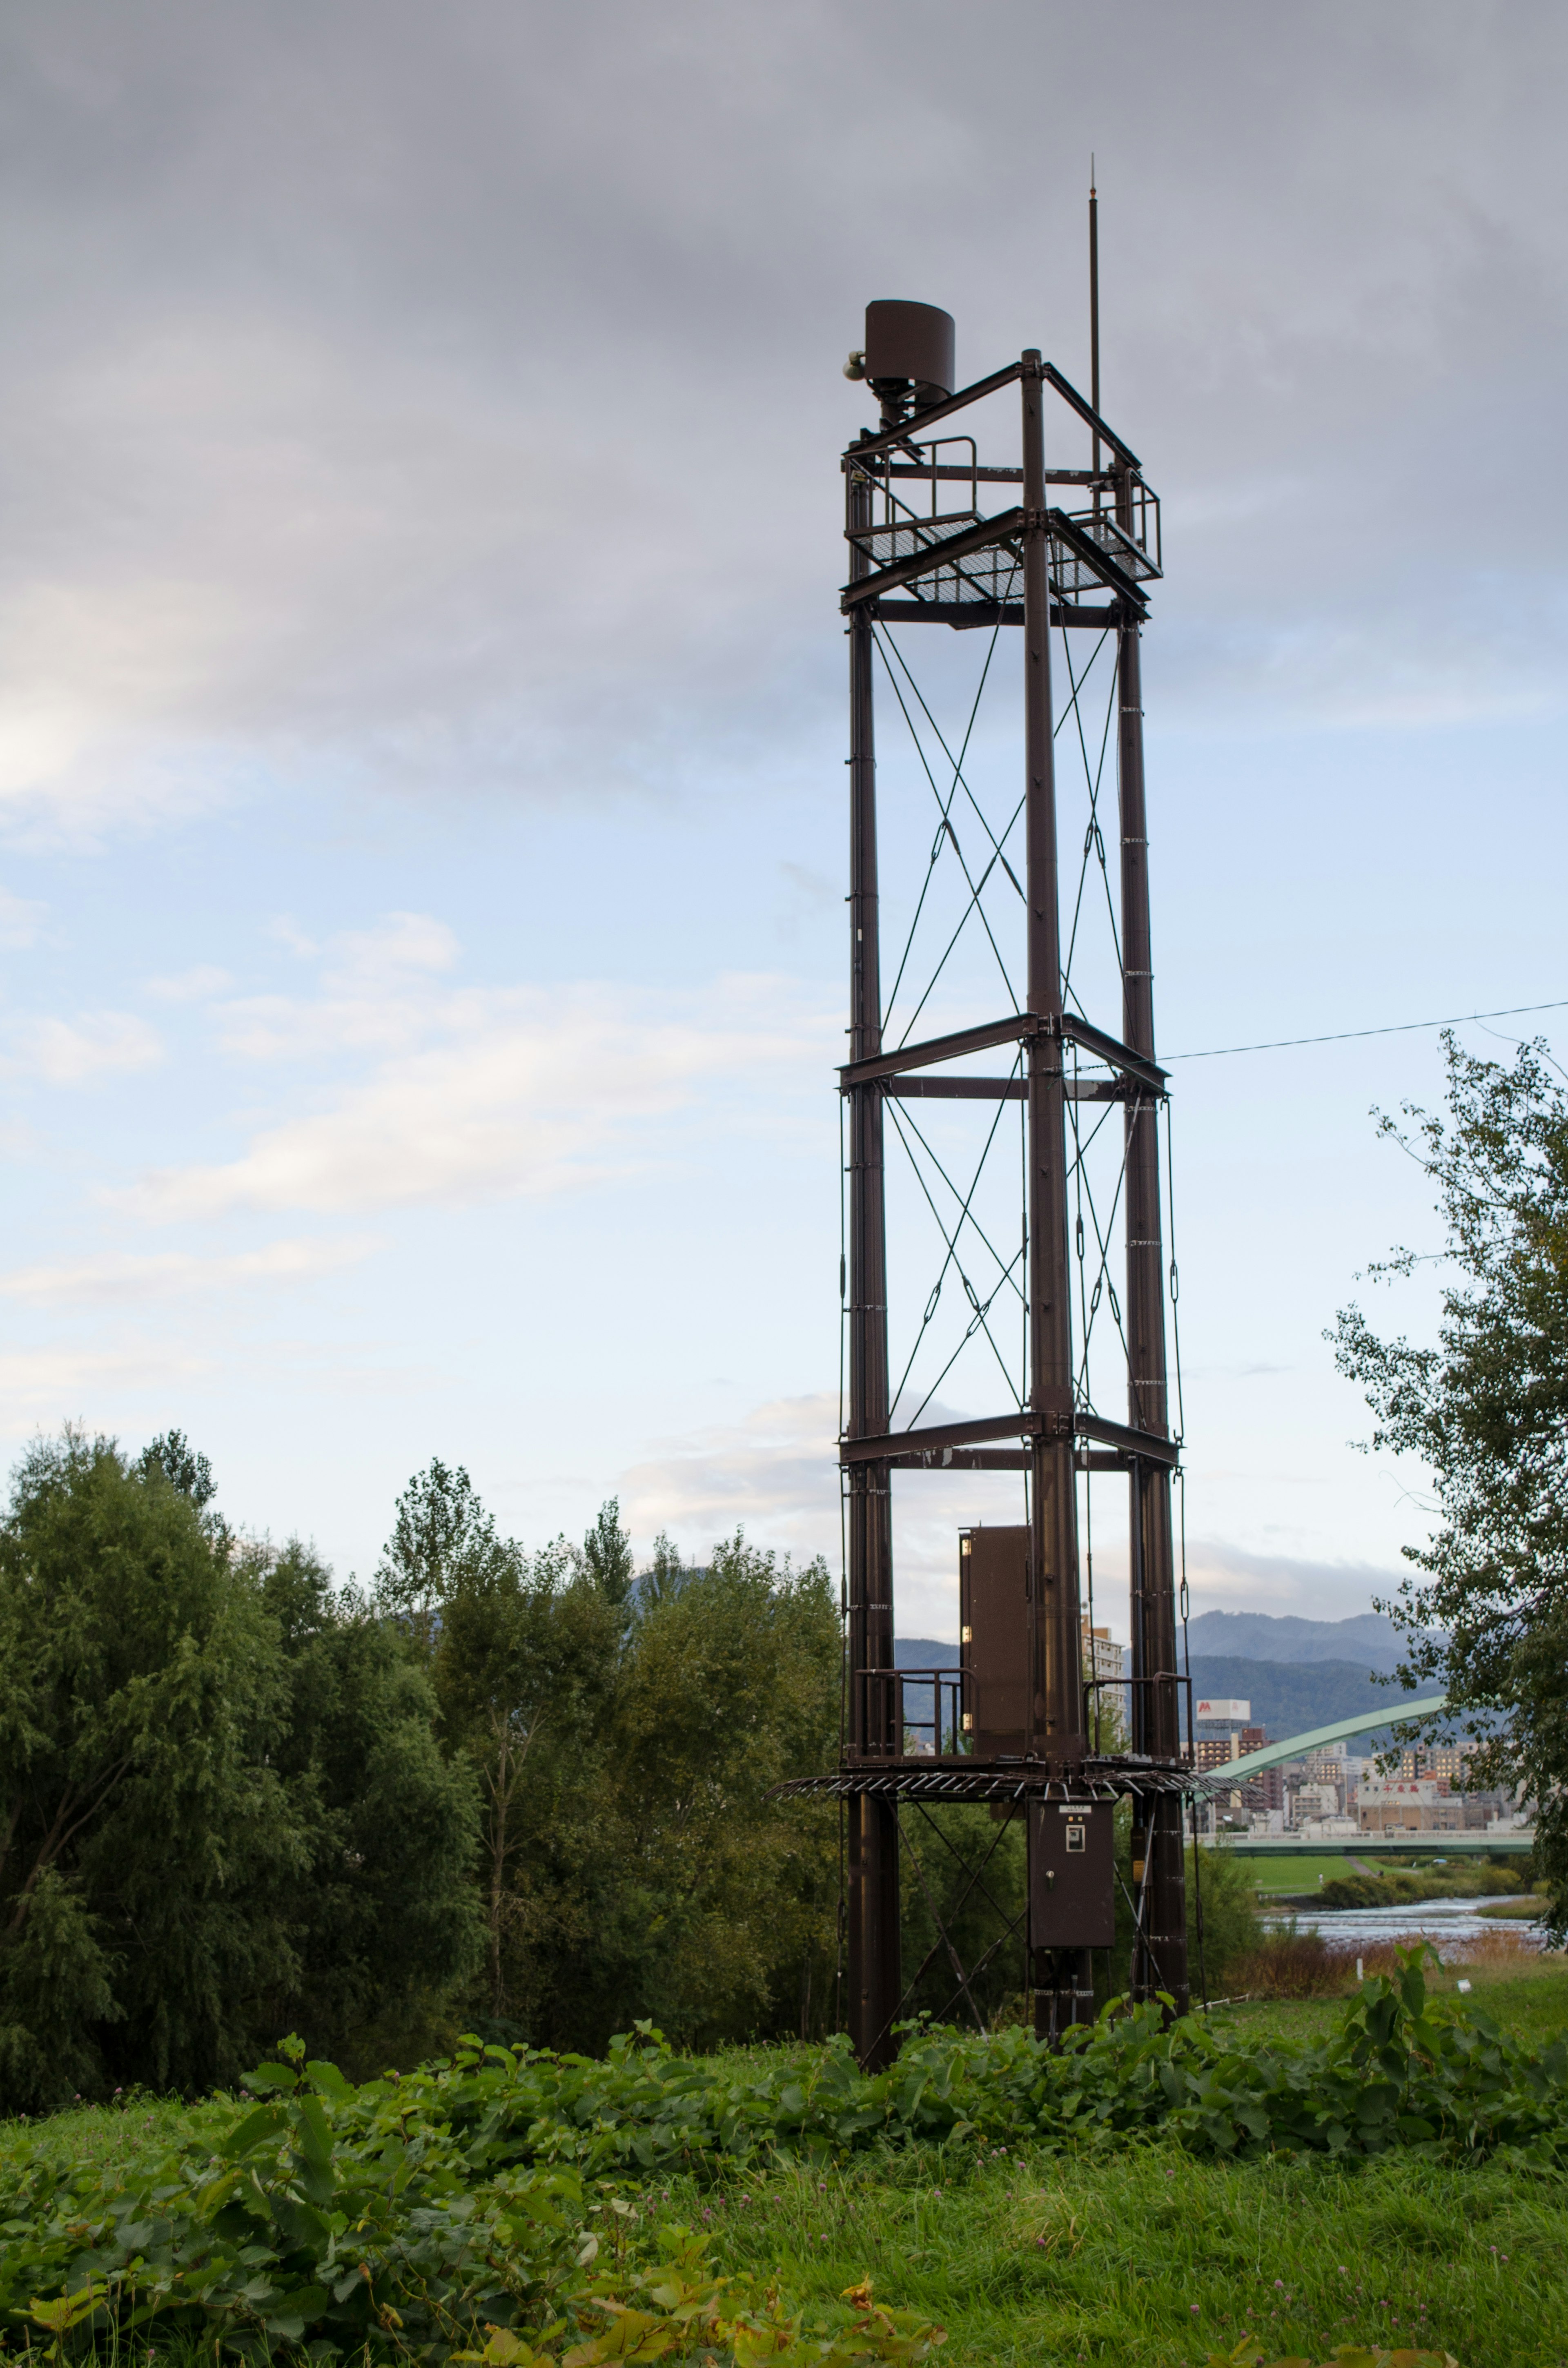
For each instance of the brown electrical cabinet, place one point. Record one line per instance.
(1071, 1875)
(993, 1613)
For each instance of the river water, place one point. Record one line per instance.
(1452, 1924)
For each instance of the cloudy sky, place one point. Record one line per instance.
(422, 723)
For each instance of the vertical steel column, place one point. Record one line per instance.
(1056, 1730)
(1160, 1964)
(874, 1956)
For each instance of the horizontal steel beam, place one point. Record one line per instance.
(906, 434)
(1025, 1424)
(946, 472)
(1000, 1459)
(969, 614)
(1016, 1028)
(1113, 1052)
(1013, 1029)
(986, 535)
(983, 536)
(1146, 1443)
(998, 1089)
(909, 430)
(925, 1445)
(957, 1089)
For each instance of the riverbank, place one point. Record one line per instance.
(1369, 1882)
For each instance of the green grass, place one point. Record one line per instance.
(1296, 1874)
(1529, 2000)
(1149, 2257)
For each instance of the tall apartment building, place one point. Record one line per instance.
(1447, 1760)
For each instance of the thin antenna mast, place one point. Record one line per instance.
(1094, 312)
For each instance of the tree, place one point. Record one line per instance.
(607, 1555)
(525, 1663)
(223, 1808)
(442, 1538)
(1486, 1410)
(172, 1454)
(381, 1915)
(722, 1896)
(144, 1838)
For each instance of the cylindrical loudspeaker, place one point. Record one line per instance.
(912, 342)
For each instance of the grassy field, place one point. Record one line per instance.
(1148, 2257)
(1295, 1875)
(1142, 2255)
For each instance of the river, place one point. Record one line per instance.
(1452, 1923)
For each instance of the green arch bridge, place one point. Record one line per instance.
(1474, 1844)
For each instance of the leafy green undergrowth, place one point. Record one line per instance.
(531, 2194)
(1399, 2070)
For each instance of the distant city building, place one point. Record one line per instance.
(1448, 1761)
(1102, 1654)
(1214, 1750)
(1104, 1658)
(1407, 1804)
(1220, 1716)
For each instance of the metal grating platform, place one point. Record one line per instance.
(1102, 1779)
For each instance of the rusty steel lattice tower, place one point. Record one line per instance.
(1017, 1724)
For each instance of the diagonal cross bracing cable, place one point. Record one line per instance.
(981, 1308)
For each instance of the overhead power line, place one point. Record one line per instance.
(1349, 1035)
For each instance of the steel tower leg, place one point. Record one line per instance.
(1056, 1722)
(1160, 1961)
(873, 1869)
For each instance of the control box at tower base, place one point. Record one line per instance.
(1071, 1875)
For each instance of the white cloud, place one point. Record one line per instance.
(174, 1273)
(340, 461)
(197, 985)
(775, 1472)
(20, 920)
(477, 1093)
(1226, 1578)
(49, 1385)
(71, 1052)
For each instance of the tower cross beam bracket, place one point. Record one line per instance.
(891, 437)
(1019, 1027)
(942, 551)
(1031, 1423)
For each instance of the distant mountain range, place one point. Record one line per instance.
(1369, 1640)
(1297, 1674)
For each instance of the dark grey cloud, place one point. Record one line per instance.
(452, 396)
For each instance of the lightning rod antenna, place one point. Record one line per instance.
(1095, 311)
